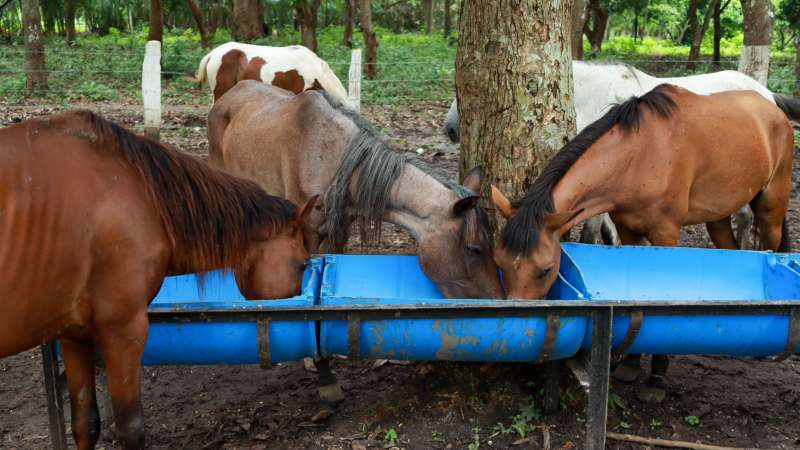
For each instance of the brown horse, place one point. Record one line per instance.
(94, 217)
(656, 162)
(308, 144)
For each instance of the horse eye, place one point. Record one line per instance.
(474, 249)
(544, 273)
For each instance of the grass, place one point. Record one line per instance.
(411, 67)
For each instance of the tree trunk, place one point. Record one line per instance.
(694, 29)
(447, 18)
(370, 41)
(213, 19)
(797, 65)
(156, 32)
(69, 7)
(757, 39)
(307, 15)
(578, 15)
(427, 12)
(597, 32)
(717, 34)
(349, 5)
(35, 68)
(200, 21)
(247, 19)
(698, 32)
(514, 88)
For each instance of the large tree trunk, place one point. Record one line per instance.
(514, 88)
(200, 21)
(307, 15)
(35, 69)
(370, 41)
(447, 18)
(427, 12)
(597, 32)
(69, 7)
(247, 20)
(349, 6)
(698, 32)
(757, 39)
(156, 32)
(694, 29)
(578, 16)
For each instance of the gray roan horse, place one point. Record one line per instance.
(298, 146)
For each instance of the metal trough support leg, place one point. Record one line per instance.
(597, 405)
(55, 405)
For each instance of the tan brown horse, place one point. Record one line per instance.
(93, 218)
(657, 162)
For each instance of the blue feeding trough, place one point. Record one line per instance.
(398, 280)
(657, 273)
(228, 342)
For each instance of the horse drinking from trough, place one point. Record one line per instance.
(654, 163)
(94, 217)
(308, 144)
(598, 86)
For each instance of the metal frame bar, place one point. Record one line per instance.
(601, 313)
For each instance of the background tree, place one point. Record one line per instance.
(69, 13)
(247, 19)
(447, 17)
(699, 30)
(718, 9)
(427, 14)
(156, 32)
(790, 12)
(578, 16)
(35, 68)
(514, 87)
(200, 22)
(757, 39)
(596, 23)
(350, 6)
(307, 16)
(370, 41)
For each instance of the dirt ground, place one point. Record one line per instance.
(724, 401)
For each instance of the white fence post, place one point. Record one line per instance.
(151, 89)
(354, 80)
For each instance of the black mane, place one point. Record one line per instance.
(521, 233)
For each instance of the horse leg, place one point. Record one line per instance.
(592, 231)
(721, 234)
(770, 210)
(79, 364)
(744, 228)
(609, 232)
(327, 384)
(123, 346)
(628, 370)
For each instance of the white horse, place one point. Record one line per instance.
(598, 86)
(294, 68)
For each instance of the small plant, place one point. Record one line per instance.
(437, 436)
(693, 420)
(655, 424)
(476, 439)
(624, 425)
(615, 402)
(390, 436)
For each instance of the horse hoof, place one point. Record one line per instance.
(308, 364)
(331, 393)
(651, 394)
(626, 373)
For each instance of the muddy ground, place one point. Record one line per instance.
(723, 401)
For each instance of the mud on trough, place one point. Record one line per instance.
(735, 402)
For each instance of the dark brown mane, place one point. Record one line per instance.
(521, 233)
(209, 216)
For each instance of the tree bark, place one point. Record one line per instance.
(427, 12)
(370, 41)
(514, 89)
(307, 14)
(156, 32)
(447, 18)
(698, 31)
(213, 19)
(247, 19)
(69, 7)
(579, 14)
(35, 68)
(349, 6)
(597, 32)
(200, 21)
(757, 39)
(717, 34)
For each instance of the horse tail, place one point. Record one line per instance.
(786, 242)
(201, 69)
(332, 85)
(790, 106)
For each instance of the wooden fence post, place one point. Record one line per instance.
(151, 89)
(354, 80)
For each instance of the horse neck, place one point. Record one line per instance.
(416, 198)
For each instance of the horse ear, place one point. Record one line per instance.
(472, 180)
(557, 221)
(465, 205)
(502, 203)
(301, 213)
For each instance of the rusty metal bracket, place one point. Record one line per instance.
(263, 344)
(354, 335)
(794, 335)
(637, 316)
(549, 338)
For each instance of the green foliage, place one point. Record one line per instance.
(523, 422)
(693, 420)
(390, 436)
(655, 424)
(615, 402)
(476, 439)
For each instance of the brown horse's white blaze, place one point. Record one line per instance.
(94, 217)
(294, 68)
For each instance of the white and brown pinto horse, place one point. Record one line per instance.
(294, 68)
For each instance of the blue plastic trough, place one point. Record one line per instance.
(655, 273)
(398, 280)
(228, 342)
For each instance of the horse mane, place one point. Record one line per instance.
(521, 233)
(374, 166)
(209, 216)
